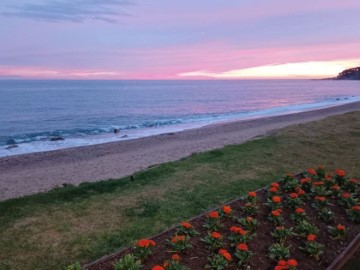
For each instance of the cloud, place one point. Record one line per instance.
(313, 69)
(71, 10)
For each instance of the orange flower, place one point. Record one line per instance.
(249, 219)
(293, 195)
(318, 183)
(227, 209)
(144, 243)
(282, 263)
(166, 264)
(157, 267)
(278, 267)
(214, 214)
(186, 225)
(305, 180)
(178, 238)
(353, 181)
(335, 187)
(273, 190)
(225, 254)
(311, 171)
(242, 232)
(292, 262)
(301, 192)
(320, 198)
(252, 194)
(346, 195)
(355, 207)
(275, 185)
(328, 177)
(276, 199)
(175, 257)
(235, 229)
(216, 235)
(242, 247)
(311, 237)
(340, 227)
(275, 213)
(340, 173)
(152, 243)
(299, 210)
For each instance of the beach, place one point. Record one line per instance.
(39, 172)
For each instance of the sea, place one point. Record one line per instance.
(35, 113)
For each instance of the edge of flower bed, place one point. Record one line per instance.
(347, 253)
(116, 253)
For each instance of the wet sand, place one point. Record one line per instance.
(32, 173)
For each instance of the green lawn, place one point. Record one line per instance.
(51, 230)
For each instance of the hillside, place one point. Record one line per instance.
(349, 74)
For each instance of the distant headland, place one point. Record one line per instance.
(349, 74)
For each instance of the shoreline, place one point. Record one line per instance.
(38, 172)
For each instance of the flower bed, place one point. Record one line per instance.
(298, 222)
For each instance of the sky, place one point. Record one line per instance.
(163, 39)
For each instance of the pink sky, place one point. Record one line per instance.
(178, 39)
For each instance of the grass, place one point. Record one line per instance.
(53, 229)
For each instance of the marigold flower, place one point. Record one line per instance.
(275, 213)
(252, 194)
(293, 195)
(249, 219)
(275, 185)
(292, 262)
(340, 227)
(276, 199)
(242, 247)
(356, 207)
(311, 171)
(214, 214)
(143, 243)
(152, 243)
(301, 192)
(328, 177)
(299, 210)
(278, 267)
(178, 238)
(340, 173)
(335, 187)
(216, 235)
(320, 198)
(175, 257)
(305, 180)
(318, 183)
(282, 263)
(157, 267)
(273, 190)
(235, 229)
(225, 254)
(186, 225)
(166, 264)
(227, 209)
(346, 195)
(311, 237)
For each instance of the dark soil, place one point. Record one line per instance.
(196, 258)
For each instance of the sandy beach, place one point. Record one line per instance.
(32, 173)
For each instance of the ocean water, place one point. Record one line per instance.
(87, 112)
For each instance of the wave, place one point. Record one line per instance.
(41, 141)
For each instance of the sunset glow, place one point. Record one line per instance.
(177, 40)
